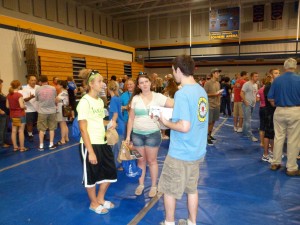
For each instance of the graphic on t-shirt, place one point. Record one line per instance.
(202, 109)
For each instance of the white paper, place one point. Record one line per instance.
(221, 90)
(156, 110)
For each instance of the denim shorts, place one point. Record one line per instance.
(150, 140)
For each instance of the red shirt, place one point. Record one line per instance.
(15, 111)
(237, 90)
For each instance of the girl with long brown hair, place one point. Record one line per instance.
(144, 130)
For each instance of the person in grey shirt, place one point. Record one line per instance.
(248, 95)
(45, 97)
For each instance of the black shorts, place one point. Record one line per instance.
(262, 115)
(104, 171)
(31, 117)
(269, 125)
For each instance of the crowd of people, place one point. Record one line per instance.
(196, 108)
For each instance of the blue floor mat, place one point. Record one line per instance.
(235, 188)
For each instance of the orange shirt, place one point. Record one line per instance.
(237, 90)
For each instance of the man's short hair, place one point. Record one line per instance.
(252, 74)
(290, 63)
(272, 70)
(185, 63)
(43, 78)
(243, 73)
(30, 75)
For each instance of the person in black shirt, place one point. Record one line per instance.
(4, 112)
(269, 113)
(225, 97)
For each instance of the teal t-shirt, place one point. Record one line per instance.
(191, 104)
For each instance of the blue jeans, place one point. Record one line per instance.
(247, 110)
(3, 129)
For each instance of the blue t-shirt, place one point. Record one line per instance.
(115, 107)
(72, 86)
(285, 90)
(191, 104)
(125, 97)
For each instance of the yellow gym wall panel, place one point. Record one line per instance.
(56, 69)
(49, 63)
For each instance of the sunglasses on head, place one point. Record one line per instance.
(93, 72)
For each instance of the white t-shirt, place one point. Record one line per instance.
(63, 100)
(31, 105)
(143, 123)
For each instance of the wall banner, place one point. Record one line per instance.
(277, 10)
(258, 13)
(224, 23)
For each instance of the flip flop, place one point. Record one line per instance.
(60, 143)
(108, 205)
(16, 149)
(99, 210)
(23, 149)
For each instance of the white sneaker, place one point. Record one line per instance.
(266, 159)
(239, 130)
(254, 139)
(235, 129)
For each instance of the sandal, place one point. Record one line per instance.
(139, 190)
(108, 205)
(60, 143)
(99, 210)
(152, 192)
(16, 149)
(23, 149)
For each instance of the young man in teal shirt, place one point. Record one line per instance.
(188, 141)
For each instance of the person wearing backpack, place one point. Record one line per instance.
(98, 159)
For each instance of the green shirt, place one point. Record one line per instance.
(92, 110)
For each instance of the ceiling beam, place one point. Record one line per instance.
(127, 4)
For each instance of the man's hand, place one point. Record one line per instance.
(162, 119)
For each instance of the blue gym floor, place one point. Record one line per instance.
(235, 188)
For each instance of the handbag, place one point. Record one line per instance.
(131, 169)
(124, 153)
(66, 111)
(112, 136)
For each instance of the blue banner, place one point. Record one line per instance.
(224, 23)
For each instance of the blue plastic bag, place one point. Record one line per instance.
(131, 169)
(75, 129)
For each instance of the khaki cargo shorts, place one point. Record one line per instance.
(178, 177)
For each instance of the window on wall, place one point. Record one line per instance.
(127, 70)
(78, 64)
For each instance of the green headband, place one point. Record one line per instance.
(92, 75)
